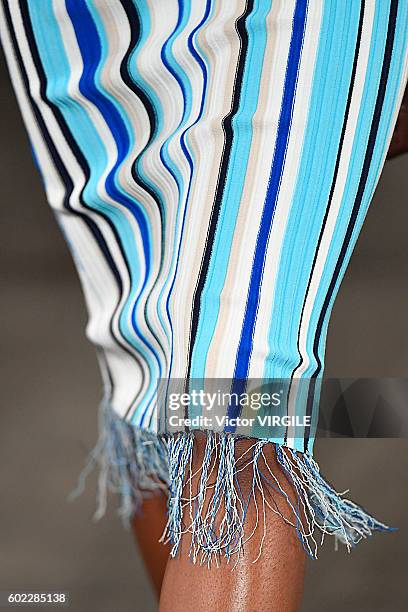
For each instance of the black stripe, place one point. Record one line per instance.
(240, 26)
(360, 191)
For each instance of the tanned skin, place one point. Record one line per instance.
(274, 582)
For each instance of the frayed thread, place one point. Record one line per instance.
(132, 463)
(214, 512)
(208, 502)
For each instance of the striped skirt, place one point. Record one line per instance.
(211, 164)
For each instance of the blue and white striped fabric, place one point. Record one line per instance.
(211, 164)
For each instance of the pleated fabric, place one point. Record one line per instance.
(211, 164)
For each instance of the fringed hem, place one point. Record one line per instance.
(214, 513)
(132, 463)
(208, 502)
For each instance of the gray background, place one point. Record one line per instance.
(50, 390)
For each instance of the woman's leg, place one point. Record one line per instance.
(269, 581)
(148, 525)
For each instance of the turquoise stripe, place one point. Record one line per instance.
(242, 129)
(356, 161)
(333, 66)
(365, 113)
(364, 121)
